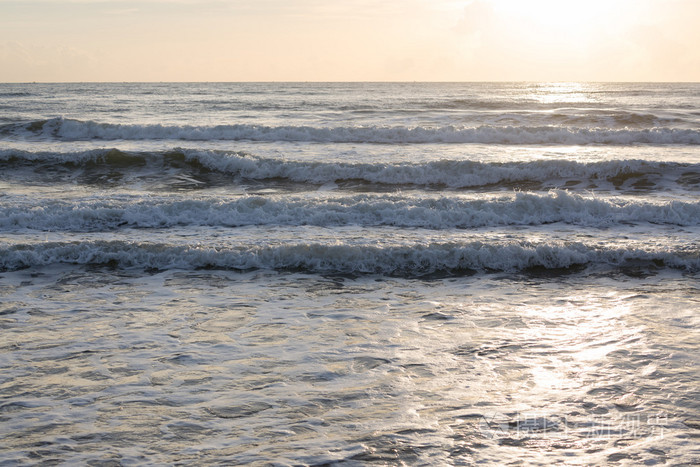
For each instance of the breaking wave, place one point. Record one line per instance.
(445, 173)
(90, 215)
(405, 260)
(72, 130)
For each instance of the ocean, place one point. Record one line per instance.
(350, 273)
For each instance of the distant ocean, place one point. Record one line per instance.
(350, 273)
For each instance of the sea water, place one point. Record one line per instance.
(350, 273)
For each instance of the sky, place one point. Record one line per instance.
(349, 40)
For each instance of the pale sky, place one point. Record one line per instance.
(349, 40)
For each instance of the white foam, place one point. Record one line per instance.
(363, 210)
(410, 260)
(452, 173)
(70, 129)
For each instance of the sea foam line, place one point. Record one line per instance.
(88, 215)
(411, 260)
(70, 129)
(452, 173)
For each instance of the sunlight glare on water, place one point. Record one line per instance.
(563, 93)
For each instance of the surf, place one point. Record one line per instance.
(67, 129)
(411, 211)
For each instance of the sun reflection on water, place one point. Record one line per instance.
(545, 372)
(564, 93)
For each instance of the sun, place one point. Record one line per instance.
(559, 34)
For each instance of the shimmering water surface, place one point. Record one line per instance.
(353, 274)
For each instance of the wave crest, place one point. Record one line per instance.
(72, 130)
(407, 261)
(363, 210)
(455, 174)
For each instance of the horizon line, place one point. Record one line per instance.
(350, 82)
